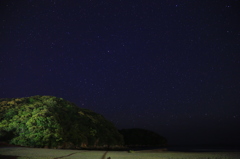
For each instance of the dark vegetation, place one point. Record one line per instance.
(51, 122)
(46, 121)
(142, 138)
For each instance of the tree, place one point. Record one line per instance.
(46, 121)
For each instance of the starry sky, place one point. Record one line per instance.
(169, 66)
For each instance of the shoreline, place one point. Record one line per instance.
(129, 150)
(187, 148)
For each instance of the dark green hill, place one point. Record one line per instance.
(141, 137)
(47, 121)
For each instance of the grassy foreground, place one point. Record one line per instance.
(37, 153)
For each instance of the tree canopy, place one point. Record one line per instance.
(47, 121)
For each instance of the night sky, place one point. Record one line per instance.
(169, 66)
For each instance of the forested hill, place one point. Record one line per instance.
(47, 121)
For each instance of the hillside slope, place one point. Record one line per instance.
(47, 121)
